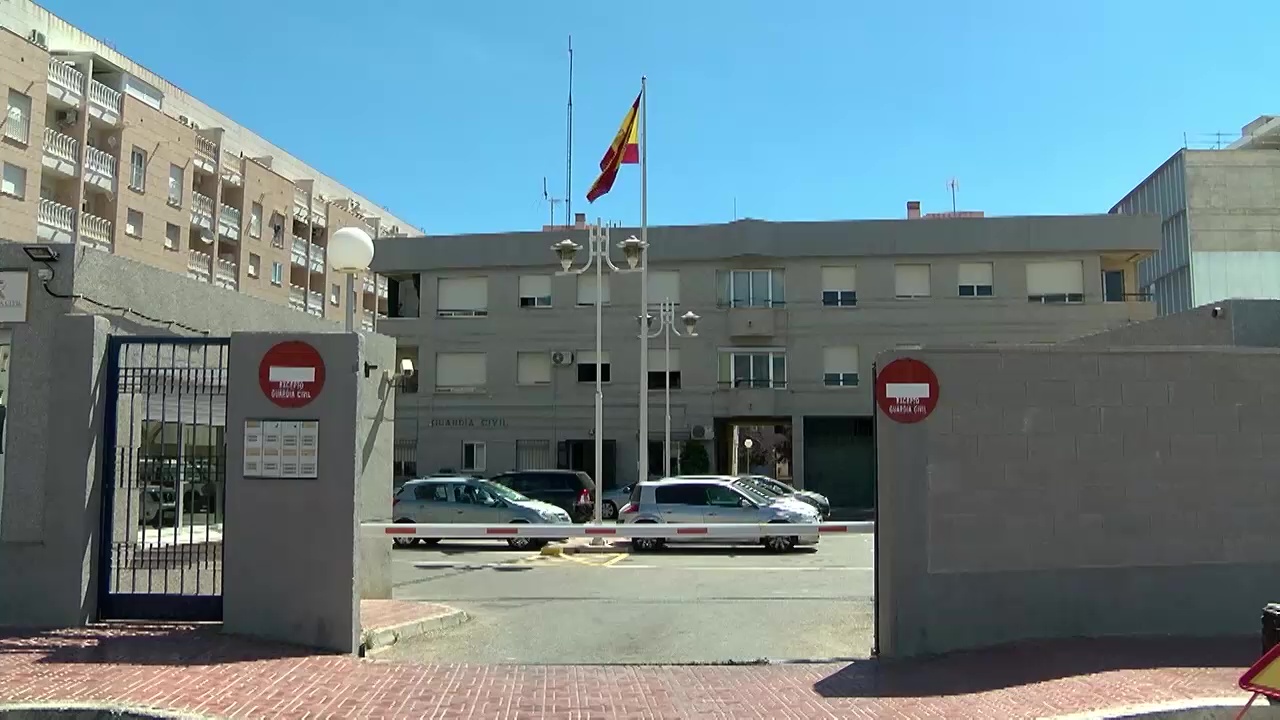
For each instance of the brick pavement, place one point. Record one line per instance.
(197, 669)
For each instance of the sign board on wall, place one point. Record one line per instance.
(291, 374)
(281, 448)
(14, 286)
(906, 390)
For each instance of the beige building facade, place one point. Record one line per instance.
(102, 154)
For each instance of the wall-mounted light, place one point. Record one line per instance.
(41, 253)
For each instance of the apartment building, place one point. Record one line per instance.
(1220, 211)
(792, 317)
(102, 153)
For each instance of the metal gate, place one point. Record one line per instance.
(164, 475)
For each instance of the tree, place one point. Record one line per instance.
(694, 459)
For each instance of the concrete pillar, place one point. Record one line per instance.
(797, 451)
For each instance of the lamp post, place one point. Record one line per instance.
(350, 252)
(667, 326)
(597, 257)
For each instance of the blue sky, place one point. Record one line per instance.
(810, 110)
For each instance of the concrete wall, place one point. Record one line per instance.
(374, 435)
(1072, 491)
(1240, 323)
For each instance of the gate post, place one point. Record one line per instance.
(295, 450)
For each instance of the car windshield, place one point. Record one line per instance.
(759, 495)
(502, 491)
(751, 485)
(775, 485)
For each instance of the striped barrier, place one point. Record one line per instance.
(458, 531)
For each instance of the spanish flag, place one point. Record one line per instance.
(624, 150)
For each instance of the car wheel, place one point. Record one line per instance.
(524, 543)
(404, 540)
(780, 543)
(609, 510)
(646, 544)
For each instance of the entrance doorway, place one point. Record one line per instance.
(755, 447)
(164, 474)
(581, 455)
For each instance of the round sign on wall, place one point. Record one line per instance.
(291, 374)
(906, 390)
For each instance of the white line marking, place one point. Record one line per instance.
(279, 373)
(699, 568)
(907, 391)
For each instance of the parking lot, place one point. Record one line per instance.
(685, 604)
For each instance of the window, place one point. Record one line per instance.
(432, 492)
(750, 288)
(840, 366)
(752, 368)
(1113, 286)
(277, 273)
(1055, 282)
(533, 368)
(839, 286)
(277, 230)
(335, 294)
(133, 223)
(172, 236)
(408, 383)
(587, 289)
(473, 456)
(15, 181)
(175, 186)
(664, 285)
(587, 366)
(405, 458)
(535, 291)
(17, 124)
(461, 372)
(462, 297)
(533, 455)
(138, 169)
(911, 281)
(255, 220)
(672, 494)
(254, 263)
(659, 371)
(975, 280)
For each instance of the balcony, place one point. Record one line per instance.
(297, 297)
(317, 259)
(18, 128)
(366, 320)
(382, 287)
(751, 399)
(231, 169)
(55, 222)
(201, 211)
(320, 215)
(66, 84)
(100, 168)
(315, 303)
(229, 222)
(104, 102)
(96, 232)
(298, 253)
(198, 265)
(753, 322)
(61, 153)
(370, 287)
(206, 154)
(228, 274)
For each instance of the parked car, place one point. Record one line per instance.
(713, 499)
(818, 500)
(570, 490)
(614, 499)
(462, 499)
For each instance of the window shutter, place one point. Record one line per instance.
(911, 280)
(587, 289)
(533, 368)
(1055, 278)
(535, 286)
(470, 293)
(975, 274)
(664, 285)
(840, 278)
(658, 360)
(840, 360)
(461, 370)
(588, 357)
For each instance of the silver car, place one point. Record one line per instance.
(713, 499)
(470, 500)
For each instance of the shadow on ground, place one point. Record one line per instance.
(144, 644)
(1031, 662)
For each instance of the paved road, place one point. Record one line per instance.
(679, 605)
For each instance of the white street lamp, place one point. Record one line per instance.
(636, 251)
(597, 256)
(667, 326)
(350, 252)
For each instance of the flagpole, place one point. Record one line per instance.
(643, 464)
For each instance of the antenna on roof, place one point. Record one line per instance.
(953, 185)
(568, 145)
(551, 201)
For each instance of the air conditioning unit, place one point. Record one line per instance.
(561, 358)
(701, 432)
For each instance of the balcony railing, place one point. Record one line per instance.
(207, 150)
(320, 215)
(297, 297)
(63, 147)
(298, 253)
(201, 209)
(370, 287)
(228, 273)
(231, 168)
(100, 162)
(96, 232)
(104, 97)
(366, 321)
(230, 216)
(18, 127)
(56, 216)
(65, 76)
(315, 303)
(198, 264)
(317, 259)
(382, 287)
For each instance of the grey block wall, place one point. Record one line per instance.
(1070, 491)
(375, 430)
(1243, 323)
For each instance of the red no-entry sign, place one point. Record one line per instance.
(906, 390)
(291, 374)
